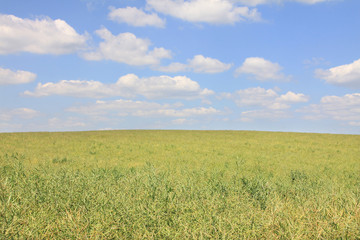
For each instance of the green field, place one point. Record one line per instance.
(179, 185)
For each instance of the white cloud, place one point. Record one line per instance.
(266, 98)
(129, 85)
(141, 109)
(255, 97)
(19, 77)
(119, 107)
(187, 112)
(40, 36)
(199, 64)
(265, 103)
(163, 86)
(345, 108)
(75, 88)
(126, 48)
(311, 1)
(206, 11)
(24, 113)
(291, 97)
(207, 65)
(135, 17)
(259, 2)
(344, 75)
(261, 69)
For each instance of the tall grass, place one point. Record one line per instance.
(179, 185)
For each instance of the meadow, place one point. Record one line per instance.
(179, 185)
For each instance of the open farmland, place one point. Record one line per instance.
(179, 185)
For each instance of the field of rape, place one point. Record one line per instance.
(179, 185)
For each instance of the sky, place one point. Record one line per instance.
(265, 65)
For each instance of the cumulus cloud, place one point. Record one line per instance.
(24, 113)
(207, 65)
(342, 108)
(40, 36)
(259, 2)
(312, 1)
(199, 64)
(163, 86)
(141, 109)
(135, 17)
(266, 98)
(291, 97)
(187, 112)
(205, 11)
(261, 69)
(265, 103)
(76, 88)
(345, 75)
(19, 77)
(126, 48)
(128, 86)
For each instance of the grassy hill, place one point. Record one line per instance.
(179, 184)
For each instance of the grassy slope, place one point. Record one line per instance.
(179, 184)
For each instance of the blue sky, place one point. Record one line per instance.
(274, 65)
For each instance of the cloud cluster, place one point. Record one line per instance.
(126, 48)
(259, 2)
(261, 69)
(215, 11)
(129, 86)
(198, 64)
(266, 98)
(342, 108)
(135, 17)
(265, 103)
(40, 36)
(345, 75)
(205, 11)
(19, 77)
(141, 109)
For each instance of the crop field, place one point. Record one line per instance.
(179, 185)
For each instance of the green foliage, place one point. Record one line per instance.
(179, 185)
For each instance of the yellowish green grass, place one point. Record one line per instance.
(179, 185)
